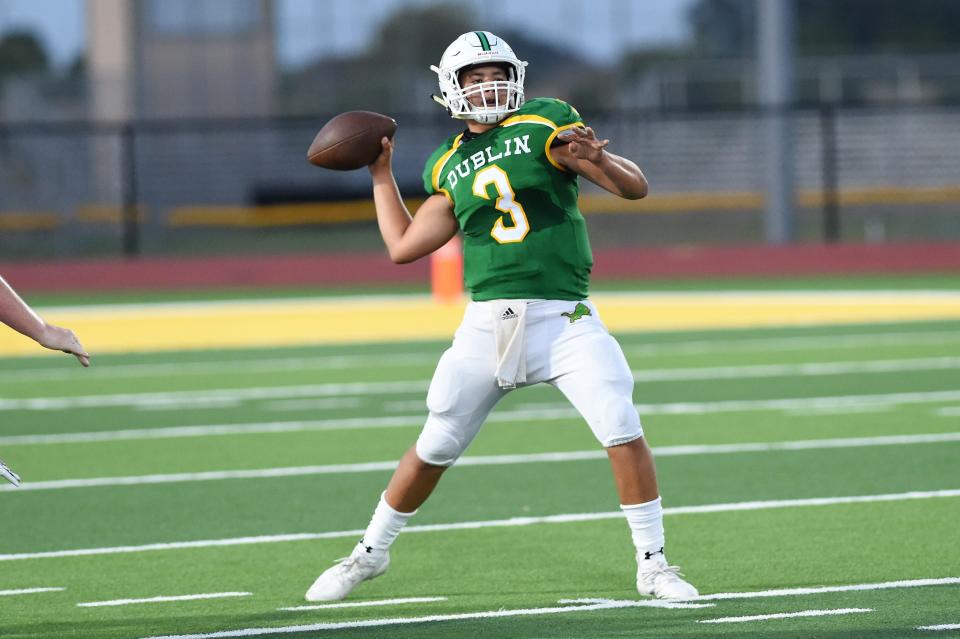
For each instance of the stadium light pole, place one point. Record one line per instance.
(775, 61)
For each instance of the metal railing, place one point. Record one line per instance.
(162, 187)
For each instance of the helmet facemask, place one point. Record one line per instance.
(498, 98)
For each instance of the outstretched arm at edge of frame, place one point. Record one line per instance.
(16, 314)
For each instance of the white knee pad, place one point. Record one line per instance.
(616, 422)
(439, 444)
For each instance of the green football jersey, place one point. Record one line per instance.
(523, 233)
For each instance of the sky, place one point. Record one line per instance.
(588, 25)
(307, 28)
(59, 23)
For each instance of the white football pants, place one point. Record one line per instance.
(579, 357)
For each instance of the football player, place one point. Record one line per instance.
(509, 184)
(15, 313)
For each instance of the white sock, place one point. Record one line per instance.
(646, 526)
(384, 527)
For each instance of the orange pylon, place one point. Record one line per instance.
(446, 272)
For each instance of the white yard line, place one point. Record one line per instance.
(482, 460)
(325, 403)
(496, 523)
(221, 394)
(208, 430)
(801, 343)
(792, 592)
(799, 592)
(363, 604)
(217, 475)
(530, 412)
(404, 387)
(807, 444)
(374, 623)
(238, 366)
(651, 603)
(943, 626)
(852, 409)
(127, 602)
(601, 604)
(195, 403)
(331, 362)
(183, 545)
(418, 405)
(799, 403)
(797, 370)
(787, 615)
(28, 591)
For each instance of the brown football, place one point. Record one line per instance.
(351, 140)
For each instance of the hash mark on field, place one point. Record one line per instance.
(361, 604)
(495, 523)
(485, 460)
(127, 602)
(943, 626)
(787, 615)
(27, 591)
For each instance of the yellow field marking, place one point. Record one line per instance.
(734, 310)
(159, 327)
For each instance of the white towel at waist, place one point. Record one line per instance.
(509, 323)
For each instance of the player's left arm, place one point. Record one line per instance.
(579, 150)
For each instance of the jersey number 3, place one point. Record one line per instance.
(505, 202)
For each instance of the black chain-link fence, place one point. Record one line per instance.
(237, 186)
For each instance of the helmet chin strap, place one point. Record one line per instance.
(482, 118)
(487, 118)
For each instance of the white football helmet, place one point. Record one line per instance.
(479, 47)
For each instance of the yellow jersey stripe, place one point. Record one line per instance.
(528, 119)
(553, 136)
(438, 167)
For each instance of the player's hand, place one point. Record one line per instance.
(583, 144)
(63, 339)
(383, 161)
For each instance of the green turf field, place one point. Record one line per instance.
(805, 471)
